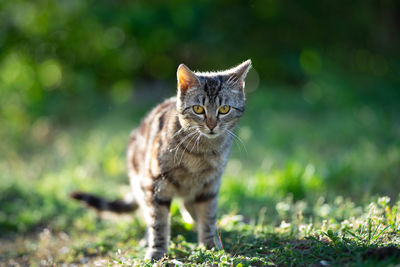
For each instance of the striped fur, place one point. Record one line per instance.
(175, 153)
(100, 204)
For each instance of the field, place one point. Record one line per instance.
(313, 180)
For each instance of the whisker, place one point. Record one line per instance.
(183, 152)
(241, 141)
(236, 143)
(178, 132)
(182, 129)
(181, 142)
(195, 141)
(198, 140)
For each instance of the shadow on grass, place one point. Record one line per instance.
(252, 248)
(284, 250)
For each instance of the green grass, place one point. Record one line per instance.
(305, 189)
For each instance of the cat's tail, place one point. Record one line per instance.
(101, 204)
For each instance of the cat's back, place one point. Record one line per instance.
(157, 117)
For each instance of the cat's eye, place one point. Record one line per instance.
(224, 109)
(198, 109)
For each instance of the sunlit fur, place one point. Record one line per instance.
(214, 90)
(177, 153)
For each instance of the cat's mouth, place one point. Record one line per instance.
(211, 134)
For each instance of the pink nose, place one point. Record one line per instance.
(211, 124)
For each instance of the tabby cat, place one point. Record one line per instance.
(180, 149)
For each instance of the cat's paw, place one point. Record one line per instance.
(212, 243)
(154, 254)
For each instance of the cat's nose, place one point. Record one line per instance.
(211, 124)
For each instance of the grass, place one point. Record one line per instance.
(316, 183)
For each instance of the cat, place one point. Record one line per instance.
(180, 149)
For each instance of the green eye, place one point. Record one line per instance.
(198, 109)
(224, 109)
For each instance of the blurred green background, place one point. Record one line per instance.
(323, 116)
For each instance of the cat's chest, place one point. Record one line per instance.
(195, 164)
(186, 183)
(192, 172)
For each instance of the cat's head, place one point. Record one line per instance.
(211, 102)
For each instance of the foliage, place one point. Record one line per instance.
(59, 57)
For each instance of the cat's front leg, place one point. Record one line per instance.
(205, 207)
(158, 228)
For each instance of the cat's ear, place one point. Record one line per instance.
(186, 79)
(238, 74)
